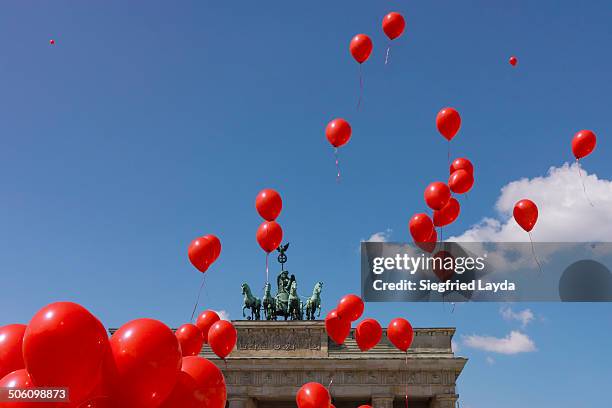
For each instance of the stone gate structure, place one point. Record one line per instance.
(273, 360)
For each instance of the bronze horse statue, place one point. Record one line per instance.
(250, 302)
(269, 304)
(313, 303)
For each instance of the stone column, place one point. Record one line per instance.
(382, 401)
(241, 402)
(443, 401)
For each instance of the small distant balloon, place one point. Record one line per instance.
(513, 61)
(52, 42)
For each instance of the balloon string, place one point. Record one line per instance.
(448, 154)
(337, 165)
(533, 252)
(387, 55)
(267, 275)
(583, 185)
(360, 88)
(197, 299)
(406, 378)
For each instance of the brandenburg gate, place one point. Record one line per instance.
(273, 359)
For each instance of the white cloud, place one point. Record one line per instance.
(455, 346)
(514, 343)
(565, 214)
(223, 315)
(490, 360)
(382, 236)
(525, 316)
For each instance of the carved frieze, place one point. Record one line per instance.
(276, 339)
(293, 377)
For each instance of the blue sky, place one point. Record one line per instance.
(151, 123)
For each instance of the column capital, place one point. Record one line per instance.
(443, 401)
(240, 401)
(382, 401)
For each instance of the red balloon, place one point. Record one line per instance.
(461, 164)
(146, 362)
(269, 204)
(393, 25)
(513, 60)
(350, 307)
(400, 333)
(200, 384)
(11, 341)
(441, 261)
(437, 195)
(338, 132)
(190, 338)
(421, 227)
(222, 338)
(367, 334)
(99, 402)
(203, 251)
(64, 346)
(448, 122)
(430, 244)
(205, 320)
(215, 244)
(52, 42)
(461, 181)
(526, 214)
(269, 235)
(313, 395)
(447, 214)
(361, 48)
(19, 379)
(583, 143)
(337, 329)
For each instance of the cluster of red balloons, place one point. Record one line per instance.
(338, 321)
(209, 329)
(142, 365)
(438, 195)
(203, 251)
(393, 25)
(368, 332)
(269, 205)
